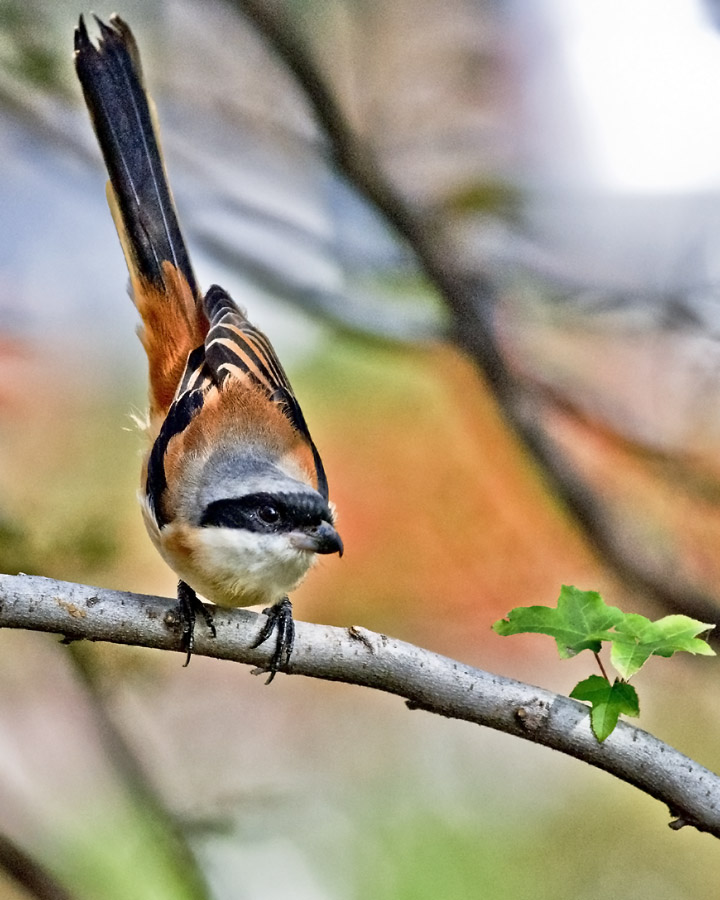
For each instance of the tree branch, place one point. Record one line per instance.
(354, 655)
(26, 871)
(470, 298)
(168, 834)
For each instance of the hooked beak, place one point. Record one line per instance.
(323, 539)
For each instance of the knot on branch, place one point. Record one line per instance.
(533, 716)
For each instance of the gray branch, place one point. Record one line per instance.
(356, 656)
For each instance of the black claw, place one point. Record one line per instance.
(190, 606)
(280, 619)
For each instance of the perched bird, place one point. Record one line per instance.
(234, 495)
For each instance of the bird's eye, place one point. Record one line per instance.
(268, 514)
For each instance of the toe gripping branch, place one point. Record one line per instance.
(190, 606)
(280, 619)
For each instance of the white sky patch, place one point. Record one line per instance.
(646, 75)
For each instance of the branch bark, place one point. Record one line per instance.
(354, 655)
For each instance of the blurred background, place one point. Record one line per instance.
(511, 367)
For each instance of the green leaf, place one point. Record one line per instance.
(636, 639)
(579, 622)
(608, 701)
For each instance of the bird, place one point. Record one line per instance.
(233, 491)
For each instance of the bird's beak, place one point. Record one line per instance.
(323, 539)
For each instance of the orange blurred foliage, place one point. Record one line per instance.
(446, 523)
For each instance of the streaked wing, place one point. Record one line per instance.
(236, 349)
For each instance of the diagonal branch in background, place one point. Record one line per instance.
(27, 872)
(470, 300)
(426, 680)
(168, 834)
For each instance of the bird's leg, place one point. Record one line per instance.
(190, 606)
(280, 619)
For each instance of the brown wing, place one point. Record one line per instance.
(235, 349)
(235, 361)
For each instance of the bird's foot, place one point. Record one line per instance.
(280, 619)
(190, 606)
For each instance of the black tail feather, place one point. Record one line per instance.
(112, 82)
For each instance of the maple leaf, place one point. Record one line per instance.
(636, 639)
(581, 621)
(608, 701)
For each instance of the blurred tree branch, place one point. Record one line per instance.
(470, 298)
(354, 655)
(26, 871)
(168, 834)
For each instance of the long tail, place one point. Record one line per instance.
(164, 286)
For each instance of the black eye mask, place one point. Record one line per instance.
(268, 513)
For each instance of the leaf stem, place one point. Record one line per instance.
(602, 667)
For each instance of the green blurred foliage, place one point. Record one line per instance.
(16, 553)
(586, 849)
(122, 851)
(490, 197)
(88, 545)
(29, 50)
